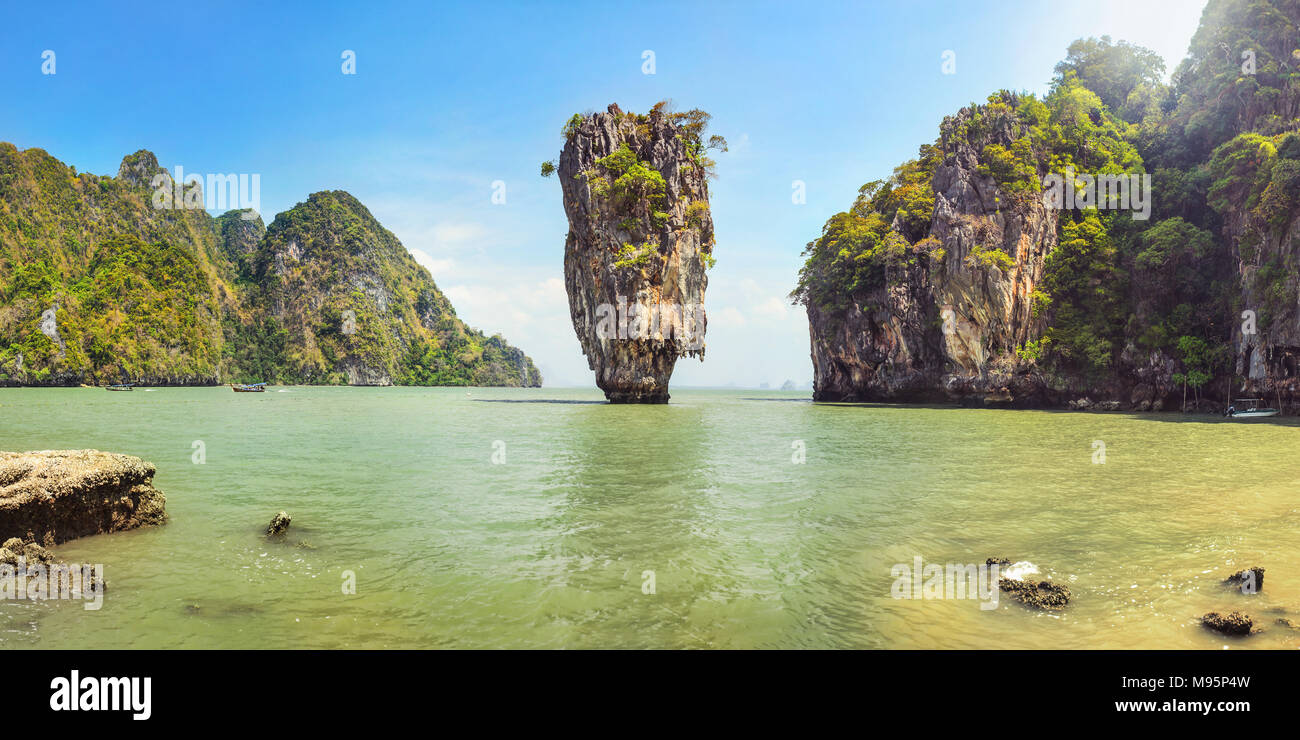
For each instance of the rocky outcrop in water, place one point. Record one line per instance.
(1014, 581)
(53, 496)
(967, 276)
(1037, 594)
(640, 238)
(1233, 623)
(279, 524)
(1250, 580)
(947, 324)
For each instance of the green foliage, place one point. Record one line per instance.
(849, 258)
(548, 168)
(634, 181)
(631, 255)
(1087, 293)
(1031, 351)
(36, 280)
(572, 125)
(989, 257)
(1014, 169)
(1200, 360)
(1216, 98)
(1114, 71)
(696, 211)
(693, 125)
(1039, 303)
(1241, 169)
(859, 248)
(1277, 204)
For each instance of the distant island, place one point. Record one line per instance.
(104, 282)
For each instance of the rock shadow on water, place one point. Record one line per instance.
(221, 610)
(598, 553)
(543, 400)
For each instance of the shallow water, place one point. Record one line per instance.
(748, 548)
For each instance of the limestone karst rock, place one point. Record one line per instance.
(946, 326)
(325, 294)
(1169, 282)
(640, 240)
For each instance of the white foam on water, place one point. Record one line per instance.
(1018, 570)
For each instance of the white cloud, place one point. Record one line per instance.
(772, 308)
(439, 268)
(453, 235)
(727, 317)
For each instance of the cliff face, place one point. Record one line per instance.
(1268, 358)
(946, 323)
(640, 238)
(1255, 166)
(98, 284)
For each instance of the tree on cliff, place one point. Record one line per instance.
(1112, 70)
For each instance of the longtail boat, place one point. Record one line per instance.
(1252, 409)
(251, 388)
(120, 387)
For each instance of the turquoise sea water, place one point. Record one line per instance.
(550, 547)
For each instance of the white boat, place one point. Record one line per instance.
(1252, 410)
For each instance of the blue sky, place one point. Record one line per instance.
(450, 97)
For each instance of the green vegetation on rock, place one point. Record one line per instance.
(1221, 144)
(175, 296)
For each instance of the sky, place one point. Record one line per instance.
(451, 100)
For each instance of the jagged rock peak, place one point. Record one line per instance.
(139, 168)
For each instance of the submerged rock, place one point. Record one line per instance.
(53, 496)
(640, 238)
(279, 523)
(1250, 580)
(1233, 623)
